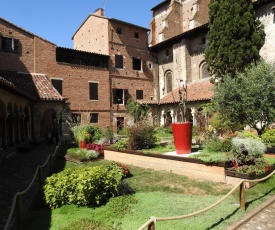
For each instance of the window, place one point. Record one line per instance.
(139, 94)
(57, 84)
(119, 61)
(204, 71)
(167, 52)
(120, 96)
(76, 118)
(136, 64)
(93, 86)
(118, 30)
(9, 45)
(94, 118)
(168, 82)
(203, 40)
(136, 35)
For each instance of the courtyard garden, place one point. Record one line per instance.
(90, 192)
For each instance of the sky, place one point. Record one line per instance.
(58, 20)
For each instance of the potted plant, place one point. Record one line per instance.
(182, 131)
(85, 138)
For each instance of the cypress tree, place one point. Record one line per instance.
(234, 38)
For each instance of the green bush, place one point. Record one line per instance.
(80, 132)
(141, 136)
(269, 136)
(120, 144)
(84, 186)
(245, 134)
(216, 144)
(255, 149)
(83, 154)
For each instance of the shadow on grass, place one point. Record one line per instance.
(247, 204)
(39, 214)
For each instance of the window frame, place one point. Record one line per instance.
(139, 94)
(60, 91)
(12, 47)
(93, 96)
(137, 62)
(118, 61)
(136, 35)
(94, 117)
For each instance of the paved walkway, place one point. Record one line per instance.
(261, 218)
(16, 173)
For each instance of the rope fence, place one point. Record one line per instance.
(150, 224)
(20, 204)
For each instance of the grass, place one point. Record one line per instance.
(157, 193)
(211, 157)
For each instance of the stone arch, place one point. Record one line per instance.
(27, 123)
(2, 124)
(203, 70)
(46, 122)
(9, 125)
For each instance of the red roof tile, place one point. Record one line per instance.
(36, 86)
(196, 91)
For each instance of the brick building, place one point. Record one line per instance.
(130, 63)
(110, 63)
(40, 81)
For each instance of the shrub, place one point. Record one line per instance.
(244, 134)
(83, 154)
(123, 168)
(260, 166)
(216, 144)
(141, 136)
(120, 144)
(269, 136)
(246, 150)
(96, 147)
(81, 132)
(84, 186)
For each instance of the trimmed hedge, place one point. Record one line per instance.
(84, 186)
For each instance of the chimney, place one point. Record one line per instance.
(99, 12)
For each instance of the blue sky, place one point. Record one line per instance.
(58, 20)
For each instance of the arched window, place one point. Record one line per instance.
(168, 79)
(203, 70)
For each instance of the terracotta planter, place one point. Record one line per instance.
(182, 133)
(82, 144)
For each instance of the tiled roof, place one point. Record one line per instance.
(197, 91)
(36, 86)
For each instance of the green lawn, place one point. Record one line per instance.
(159, 194)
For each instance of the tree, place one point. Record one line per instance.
(138, 111)
(234, 38)
(249, 98)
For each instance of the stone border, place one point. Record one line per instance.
(180, 165)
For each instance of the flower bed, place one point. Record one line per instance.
(176, 164)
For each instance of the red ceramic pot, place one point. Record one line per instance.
(82, 144)
(182, 133)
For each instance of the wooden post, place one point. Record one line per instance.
(19, 212)
(151, 226)
(241, 195)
